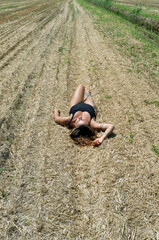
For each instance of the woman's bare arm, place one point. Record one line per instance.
(61, 120)
(106, 128)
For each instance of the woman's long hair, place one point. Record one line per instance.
(83, 135)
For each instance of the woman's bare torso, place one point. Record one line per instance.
(80, 118)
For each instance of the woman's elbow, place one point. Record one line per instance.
(111, 126)
(56, 119)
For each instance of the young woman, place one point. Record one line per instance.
(82, 117)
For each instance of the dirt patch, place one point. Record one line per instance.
(51, 188)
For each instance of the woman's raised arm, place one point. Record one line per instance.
(61, 120)
(106, 128)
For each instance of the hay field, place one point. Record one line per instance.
(51, 189)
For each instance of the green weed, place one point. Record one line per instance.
(18, 107)
(156, 102)
(130, 117)
(154, 55)
(12, 177)
(32, 178)
(73, 11)
(29, 86)
(60, 49)
(136, 10)
(9, 139)
(101, 3)
(155, 149)
(10, 7)
(1, 170)
(129, 70)
(32, 76)
(131, 136)
(108, 97)
(26, 222)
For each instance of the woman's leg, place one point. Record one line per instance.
(89, 100)
(78, 96)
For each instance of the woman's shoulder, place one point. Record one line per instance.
(94, 124)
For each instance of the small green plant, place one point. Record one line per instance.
(136, 11)
(153, 73)
(130, 119)
(32, 178)
(108, 97)
(28, 86)
(19, 104)
(60, 50)
(26, 222)
(155, 149)
(12, 176)
(7, 138)
(102, 3)
(156, 102)
(2, 170)
(131, 136)
(154, 55)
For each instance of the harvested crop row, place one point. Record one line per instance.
(14, 62)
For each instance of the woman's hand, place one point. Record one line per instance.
(56, 113)
(97, 141)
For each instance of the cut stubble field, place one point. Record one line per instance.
(49, 187)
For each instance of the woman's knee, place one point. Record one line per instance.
(81, 86)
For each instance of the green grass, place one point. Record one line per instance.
(141, 46)
(1, 170)
(10, 6)
(156, 102)
(145, 12)
(131, 136)
(155, 149)
(102, 3)
(72, 9)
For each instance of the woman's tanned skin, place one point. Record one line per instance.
(83, 118)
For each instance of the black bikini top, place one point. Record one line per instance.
(83, 107)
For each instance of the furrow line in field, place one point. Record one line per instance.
(42, 117)
(5, 16)
(52, 35)
(32, 49)
(32, 32)
(9, 33)
(24, 20)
